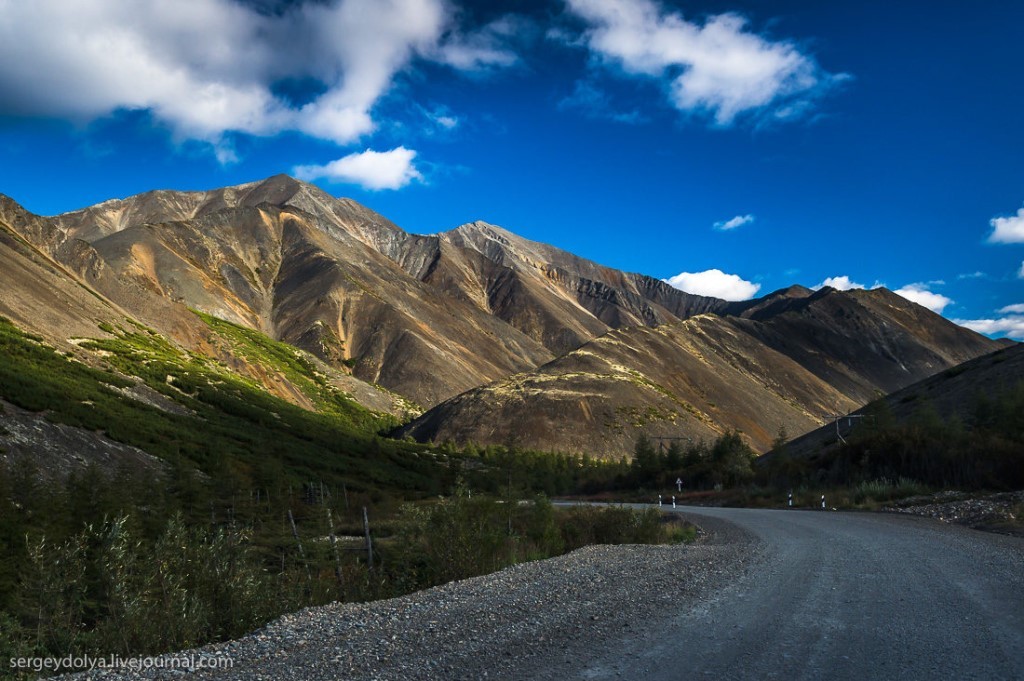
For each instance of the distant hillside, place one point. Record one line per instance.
(797, 357)
(962, 428)
(952, 395)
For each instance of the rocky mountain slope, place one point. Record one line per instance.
(514, 341)
(426, 316)
(791, 358)
(63, 290)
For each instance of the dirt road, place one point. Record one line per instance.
(843, 596)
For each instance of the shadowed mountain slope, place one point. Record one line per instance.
(286, 259)
(952, 394)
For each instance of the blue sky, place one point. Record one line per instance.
(733, 148)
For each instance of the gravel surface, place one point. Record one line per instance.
(855, 596)
(532, 620)
(995, 512)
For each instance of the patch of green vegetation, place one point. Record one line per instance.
(726, 462)
(640, 416)
(296, 366)
(883, 489)
(235, 427)
(953, 372)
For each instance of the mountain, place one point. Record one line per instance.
(425, 316)
(785, 362)
(505, 340)
(555, 297)
(62, 303)
(284, 258)
(952, 395)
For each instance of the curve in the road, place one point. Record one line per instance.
(845, 596)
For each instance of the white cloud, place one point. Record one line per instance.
(1008, 230)
(972, 275)
(919, 293)
(841, 283)
(715, 283)
(718, 68)
(1020, 272)
(207, 68)
(370, 169)
(447, 122)
(1014, 309)
(482, 49)
(1012, 326)
(733, 223)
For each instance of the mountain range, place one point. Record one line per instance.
(476, 334)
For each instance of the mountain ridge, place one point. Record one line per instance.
(457, 317)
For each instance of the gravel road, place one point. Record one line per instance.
(845, 596)
(768, 594)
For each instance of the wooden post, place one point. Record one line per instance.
(369, 542)
(302, 554)
(337, 556)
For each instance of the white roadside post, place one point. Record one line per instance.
(822, 502)
(673, 501)
(791, 500)
(659, 500)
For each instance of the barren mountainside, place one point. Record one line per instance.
(509, 341)
(426, 316)
(816, 354)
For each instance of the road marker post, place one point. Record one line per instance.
(673, 501)
(791, 500)
(822, 502)
(659, 500)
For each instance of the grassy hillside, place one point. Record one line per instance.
(229, 428)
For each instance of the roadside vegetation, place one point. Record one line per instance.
(259, 509)
(131, 565)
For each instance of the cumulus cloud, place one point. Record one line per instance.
(718, 68)
(1008, 230)
(212, 67)
(1012, 326)
(733, 223)
(919, 293)
(841, 283)
(370, 169)
(1012, 309)
(715, 283)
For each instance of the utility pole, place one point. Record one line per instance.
(849, 422)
